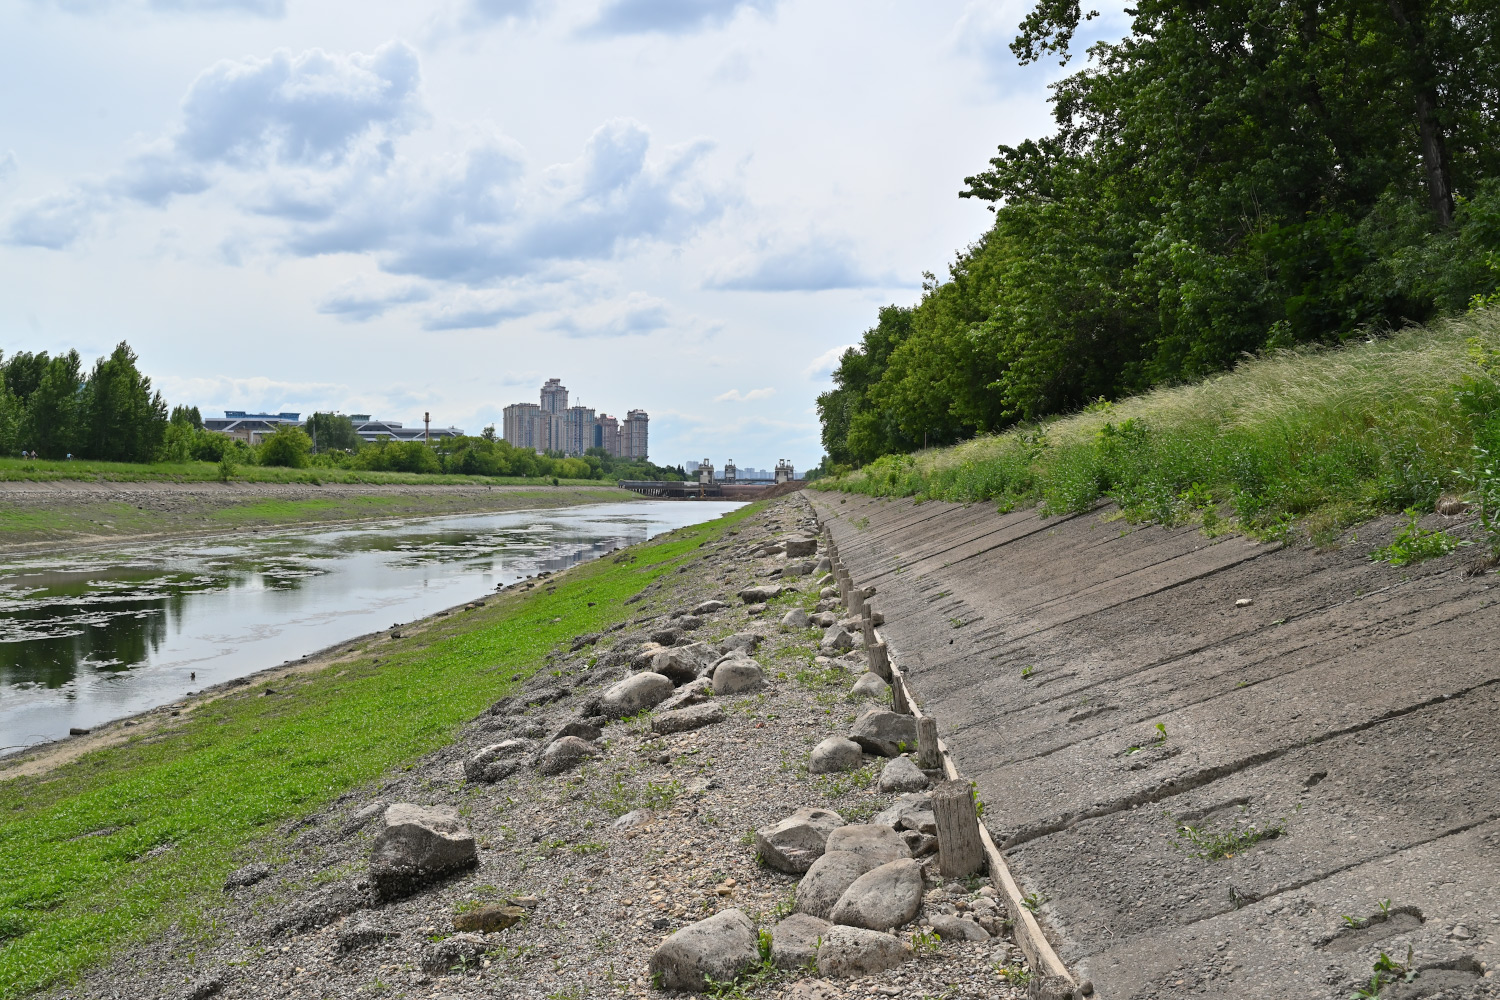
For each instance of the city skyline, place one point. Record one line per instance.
(551, 425)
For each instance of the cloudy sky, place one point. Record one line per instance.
(686, 206)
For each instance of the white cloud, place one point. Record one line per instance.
(735, 396)
(670, 17)
(357, 303)
(255, 393)
(470, 310)
(8, 164)
(825, 363)
(810, 264)
(636, 314)
(54, 221)
(254, 8)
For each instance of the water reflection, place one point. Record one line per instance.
(89, 637)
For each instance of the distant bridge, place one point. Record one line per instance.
(704, 491)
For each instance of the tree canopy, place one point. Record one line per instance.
(1227, 178)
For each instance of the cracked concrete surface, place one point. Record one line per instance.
(1350, 707)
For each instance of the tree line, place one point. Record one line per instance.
(52, 407)
(1229, 178)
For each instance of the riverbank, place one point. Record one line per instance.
(123, 856)
(73, 513)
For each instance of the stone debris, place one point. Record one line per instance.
(883, 897)
(827, 880)
(718, 948)
(793, 844)
(419, 846)
(796, 618)
(499, 760)
(879, 844)
(682, 719)
(795, 940)
(737, 676)
(885, 733)
(566, 754)
(855, 951)
(871, 686)
(489, 919)
(902, 775)
(459, 953)
(635, 694)
(835, 754)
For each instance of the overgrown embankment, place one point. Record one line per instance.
(82, 513)
(1322, 438)
(136, 836)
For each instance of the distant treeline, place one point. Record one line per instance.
(50, 406)
(1229, 178)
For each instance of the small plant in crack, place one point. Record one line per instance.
(1161, 739)
(1213, 844)
(1413, 544)
(1027, 671)
(1033, 902)
(1386, 971)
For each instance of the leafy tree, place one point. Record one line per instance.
(51, 424)
(187, 416)
(333, 432)
(121, 420)
(287, 446)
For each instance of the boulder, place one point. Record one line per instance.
(709, 607)
(882, 898)
(759, 595)
(741, 642)
(920, 844)
(489, 918)
(797, 548)
(798, 568)
(666, 636)
(689, 622)
(719, 947)
(641, 658)
(878, 844)
(793, 844)
(828, 879)
(581, 728)
(681, 664)
(418, 846)
(794, 941)
(693, 693)
(836, 640)
(871, 686)
(906, 813)
(828, 592)
(854, 951)
(459, 953)
(796, 618)
(566, 754)
(632, 819)
(680, 720)
(736, 676)
(951, 928)
(835, 754)
(901, 775)
(498, 760)
(886, 733)
(823, 619)
(634, 694)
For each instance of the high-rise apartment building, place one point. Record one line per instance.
(553, 425)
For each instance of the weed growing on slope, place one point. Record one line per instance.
(1215, 844)
(1413, 544)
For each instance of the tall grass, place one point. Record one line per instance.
(1323, 438)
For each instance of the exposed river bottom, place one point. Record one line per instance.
(93, 636)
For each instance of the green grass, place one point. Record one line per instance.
(1321, 438)
(48, 470)
(230, 772)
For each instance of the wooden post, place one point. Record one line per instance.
(880, 661)
(856, 599)
(899, 704)
(929, 758)
(960, 849)
(867, 626)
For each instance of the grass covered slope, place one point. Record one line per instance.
(1325, 438)
(125, 840)
(58, 470)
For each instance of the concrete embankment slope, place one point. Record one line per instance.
(1353, 705)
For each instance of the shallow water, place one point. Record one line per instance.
(89, 637)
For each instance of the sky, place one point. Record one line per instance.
(683, 206)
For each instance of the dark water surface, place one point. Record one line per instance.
(89, 637)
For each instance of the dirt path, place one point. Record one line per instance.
(1214, 761)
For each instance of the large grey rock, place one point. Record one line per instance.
(580, 728)
(824, 565)
(741, 642)
(793, 844)
(828, 879)
(666, 636)
(951, 928)
(681, 664)
(499, 760)
(709, 607)
(854, 951)
(796, 548)
(823, 619)
(634, 694)
(906, 813)
(879, 844)
(643, 657)
(796, 618)
(566, 754)
(835, 754)
(719, 947)
(692, 693)
(418, 846)
(682, 719)
(836, 640)
(871, 686)
(759, 595)
(882, 898)
(803, 568)
(794, 941)
(736, 676)
(886, 733)
(901, 775)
